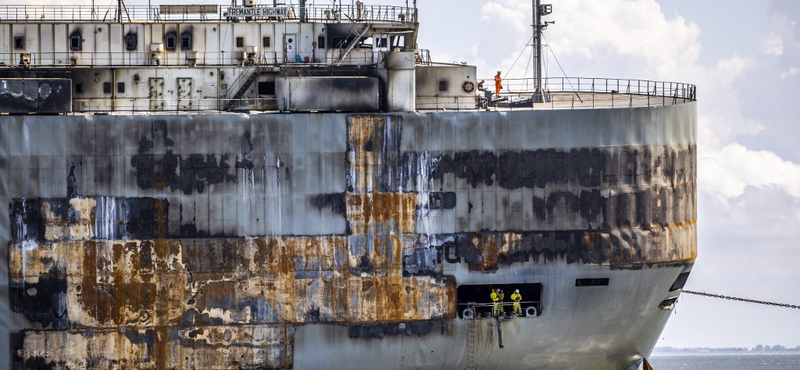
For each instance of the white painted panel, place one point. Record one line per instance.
(210, 88)
(117, 44)
(226, 43)
(253, 35)
(210, 53)
(102, 43)
(156, 36)
(307, 39)
(31, 32)
(268, 52)
(61, 44)
(199, 42)
(6, 44)
(46, 44)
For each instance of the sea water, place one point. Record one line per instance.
(725, 361)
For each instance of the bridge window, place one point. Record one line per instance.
(19, 42)
(186, 41)
(75, 43)
(170, 42)
(131, 41)
(478, 297)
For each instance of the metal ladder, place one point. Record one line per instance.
(252, 72)
(356, 37)
(472, 337)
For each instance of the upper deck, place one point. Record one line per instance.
(195, 58)
(341, 13)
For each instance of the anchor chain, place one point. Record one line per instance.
(732, 298)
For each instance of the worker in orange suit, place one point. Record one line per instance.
(498, 84)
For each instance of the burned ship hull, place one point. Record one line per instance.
(344, 240)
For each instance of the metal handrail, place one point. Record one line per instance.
(135, 58)
(108, 14)
(169, 106)
(652, 88)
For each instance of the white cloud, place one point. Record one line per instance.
(628, 34)
(773, 45)
(510, 13)
(791, 72)
(729, 171)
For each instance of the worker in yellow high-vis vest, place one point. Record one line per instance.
(516, 297)
(496, 300)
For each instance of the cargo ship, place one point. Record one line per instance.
(300, 187)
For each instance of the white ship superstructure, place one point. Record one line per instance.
(295, 186)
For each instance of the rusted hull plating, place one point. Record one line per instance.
(194, 242)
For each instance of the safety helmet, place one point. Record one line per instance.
(516, 291)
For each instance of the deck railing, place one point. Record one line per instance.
(204, 13)
(569, 93)
(140, 58)
(601, 85)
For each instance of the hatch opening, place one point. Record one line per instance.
(479, 296)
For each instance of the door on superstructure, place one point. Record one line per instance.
(289, 48)
(184, 93)
(156, 93)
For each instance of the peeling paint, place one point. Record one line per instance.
(129, 284)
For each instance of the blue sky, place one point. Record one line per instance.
(744, 56)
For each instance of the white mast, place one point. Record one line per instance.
(539, 10)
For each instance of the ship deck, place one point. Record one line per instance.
(664, 94)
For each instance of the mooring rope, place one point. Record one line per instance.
(732, 298)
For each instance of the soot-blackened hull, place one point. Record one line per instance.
(339, 241)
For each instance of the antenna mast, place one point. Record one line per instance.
(539, 10)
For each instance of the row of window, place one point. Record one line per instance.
(264, 88)
(170, 42)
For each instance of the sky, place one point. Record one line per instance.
(744, 57)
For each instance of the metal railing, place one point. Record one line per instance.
(170, 106)
(83, 13)
(604, 85)
(175, 58)
(485, 310)
(591, 93)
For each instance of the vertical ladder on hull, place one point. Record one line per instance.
(472, 337)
